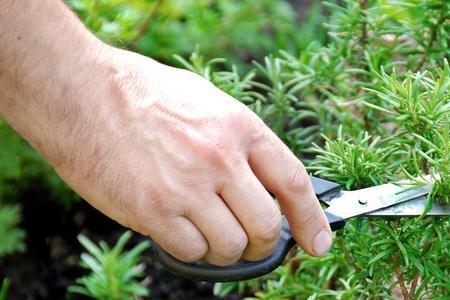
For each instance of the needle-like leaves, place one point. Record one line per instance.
(114, 272)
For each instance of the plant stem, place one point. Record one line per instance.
(363, 39)
(412, 290)
(348, 256)
(441, 19)
(434, 32)
(399, 275)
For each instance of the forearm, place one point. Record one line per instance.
(48, 63)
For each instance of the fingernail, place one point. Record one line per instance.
(322, 242)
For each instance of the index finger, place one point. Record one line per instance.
(282, 173)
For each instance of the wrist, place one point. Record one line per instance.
(50, 68)
(77, 107)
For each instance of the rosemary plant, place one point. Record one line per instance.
(114, 272)
(4, 289)
(12, 237)
(371, 106)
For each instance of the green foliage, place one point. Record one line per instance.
(369, 107)
(114, 20)
(355, 163)
(21, 166)
(9, 160)
(4, 289)
(11, 236)
(437, 159)
(114, 272)
(233, 29)
(419, 103)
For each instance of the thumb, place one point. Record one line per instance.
(285, 176)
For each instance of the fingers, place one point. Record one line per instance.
(243, 217)
(256, 211)
(226, 237)
(284, 175)
(182, 239)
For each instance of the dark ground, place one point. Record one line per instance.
(50, 263)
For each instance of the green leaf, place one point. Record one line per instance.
(4, 289)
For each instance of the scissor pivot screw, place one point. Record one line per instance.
(362, 201)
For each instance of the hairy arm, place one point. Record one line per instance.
(47, 71)
(158, 149)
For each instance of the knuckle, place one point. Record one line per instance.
(305, 220)
(217, 154)
(297, 180)
(270, 232)
(152, 201)
(187, 252)
(233, 247)
(242, 120)
(239, 118)
(259, 135)
(194, 254)
(256, 131)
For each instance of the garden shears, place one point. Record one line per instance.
(383, 201)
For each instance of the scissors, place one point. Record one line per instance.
(387, 200)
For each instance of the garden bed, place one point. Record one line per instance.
(50, 263)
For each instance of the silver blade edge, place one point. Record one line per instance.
(361, 202)
(412, 208)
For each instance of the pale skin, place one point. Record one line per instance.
(158, 149)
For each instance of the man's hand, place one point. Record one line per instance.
(160, 150)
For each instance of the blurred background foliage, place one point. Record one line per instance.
(358, 89)
(236, 30)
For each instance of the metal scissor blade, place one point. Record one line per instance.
(361, 202)
(411, 208)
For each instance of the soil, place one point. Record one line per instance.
(50, 263)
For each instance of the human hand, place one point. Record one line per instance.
(173, 157)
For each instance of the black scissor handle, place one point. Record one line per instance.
(238, 271)
(247, 269)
